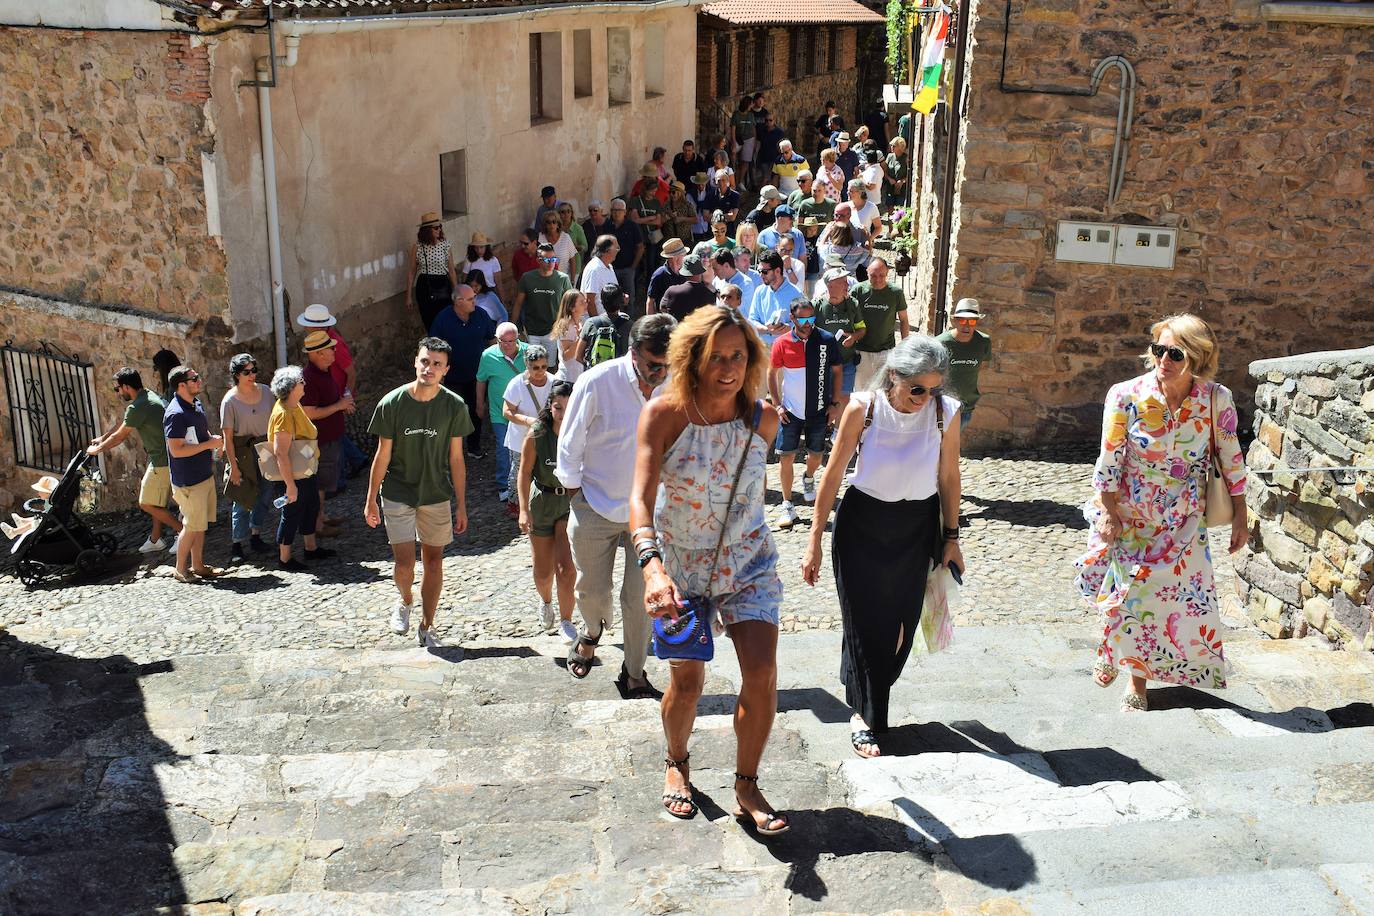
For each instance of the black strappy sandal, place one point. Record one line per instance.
(579, 666)
(861, 737)
(671, 798)
(772, 816)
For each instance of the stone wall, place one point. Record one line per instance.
(1308, 567)
(1253, 139)
(795, 103)
(101, 194)
(106, 247)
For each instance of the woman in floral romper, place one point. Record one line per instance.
(692, 439)
(1148, 569)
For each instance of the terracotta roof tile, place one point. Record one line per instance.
(760, 12)
(304, 8)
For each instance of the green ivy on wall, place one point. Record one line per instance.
(899, 13)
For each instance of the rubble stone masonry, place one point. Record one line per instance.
(105, 247)
(1254, 139)
(1310, 560)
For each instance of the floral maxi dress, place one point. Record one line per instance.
(1154, 587)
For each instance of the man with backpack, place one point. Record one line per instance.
(605, 336)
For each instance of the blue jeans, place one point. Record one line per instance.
(242, 520)
(351, 457)
(498, 433)
(847, 375)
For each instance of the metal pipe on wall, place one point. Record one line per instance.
(956, 104)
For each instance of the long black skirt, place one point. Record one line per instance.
(881, 553)
(433, 294)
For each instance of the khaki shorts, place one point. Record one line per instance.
(156, 488)
(197, 504)
(433, 523)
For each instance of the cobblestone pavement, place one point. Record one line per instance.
(1023, 528)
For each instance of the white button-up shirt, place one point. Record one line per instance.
(596, 447)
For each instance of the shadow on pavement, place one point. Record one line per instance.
(1029, 513)
(64, 849)
(1302, 719)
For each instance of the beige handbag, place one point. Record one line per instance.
(1219, 511)
(305, 459)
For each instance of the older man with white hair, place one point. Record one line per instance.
(500, 363)
(788, 166)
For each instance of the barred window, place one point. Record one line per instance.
(51, 402)
(723, 68)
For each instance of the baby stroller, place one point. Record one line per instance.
(59, 538)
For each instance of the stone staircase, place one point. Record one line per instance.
(486, 780)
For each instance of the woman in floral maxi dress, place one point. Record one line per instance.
(1148, 568)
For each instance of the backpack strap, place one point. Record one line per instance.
(939, 411)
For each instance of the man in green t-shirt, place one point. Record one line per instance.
(838, 313)
(743, 129)
(418, 468)
(538, 296)
(144, 416)
(500, 363)
(969, 350)
(884, 309)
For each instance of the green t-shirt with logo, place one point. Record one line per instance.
(880, 308)
(836, 317)
(144, 416)
(420, 433)
(542, 298)
(743, 122)
(965, 360)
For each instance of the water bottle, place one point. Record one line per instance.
(281, 501)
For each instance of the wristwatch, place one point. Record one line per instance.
(647, 555)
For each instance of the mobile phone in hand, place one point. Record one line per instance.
(956, 572)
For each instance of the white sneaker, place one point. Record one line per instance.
(568, 630)
(152, 546)
(808, 488)
(789, 516)
(546, 613)
(400, 618)
(427, 639)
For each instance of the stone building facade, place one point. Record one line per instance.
(106, 247)
(133, 206)
(798, 59)
(1310, 562)
(1251, 137)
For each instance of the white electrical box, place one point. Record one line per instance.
(1085, 243)
(1146, 246)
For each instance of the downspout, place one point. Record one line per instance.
(266, 72)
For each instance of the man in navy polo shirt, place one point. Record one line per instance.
(468, 330)
(190, 451)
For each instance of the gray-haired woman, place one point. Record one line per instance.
(287, 424)
(888, 527)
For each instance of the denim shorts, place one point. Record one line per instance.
(790, 433)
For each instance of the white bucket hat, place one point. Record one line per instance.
(316, 316)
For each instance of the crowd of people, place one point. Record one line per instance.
(651, 361)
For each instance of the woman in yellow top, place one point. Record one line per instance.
(287, 424)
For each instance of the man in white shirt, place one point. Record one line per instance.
(599, 273)
(596, 456)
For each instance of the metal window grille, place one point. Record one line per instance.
(51, 405)
(724, 56)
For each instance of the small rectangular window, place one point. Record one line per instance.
(582, 63)
(618, 66)
(794, 56)
(832, 55)
(813, 65)
(761, 49)
(653, 60)
(723, 68)
(453, 182)
(546, 76)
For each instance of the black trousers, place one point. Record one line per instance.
(467, 390)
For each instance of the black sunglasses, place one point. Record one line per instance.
(918, 391)
(1174, 353)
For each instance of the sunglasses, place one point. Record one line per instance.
(1174, 353)
(918, 391)
(548, 260)
(966, 322)
(652, 367)
(804, 322)
(252, 370)
(193, 378)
